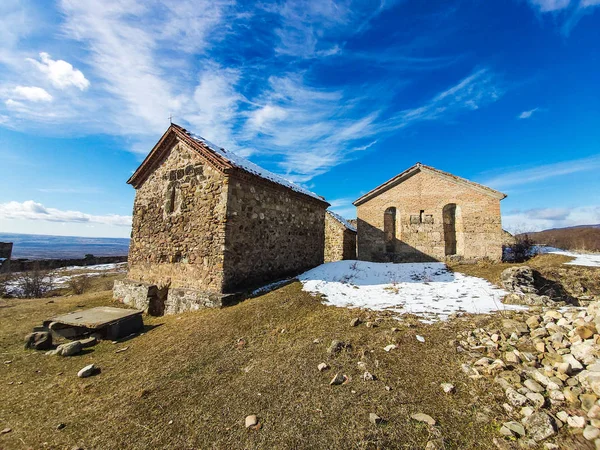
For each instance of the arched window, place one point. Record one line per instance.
(450, 232)
(389, 229)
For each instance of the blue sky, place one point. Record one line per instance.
(338, 96)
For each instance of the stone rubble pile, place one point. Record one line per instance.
(520, 283)
(548, 368)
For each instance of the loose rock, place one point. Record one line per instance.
(87, 371)
(420, 417)
(322, 367)
(375, 419)
(251, 421)
(448, 388)
(40, 340)
(539, 426)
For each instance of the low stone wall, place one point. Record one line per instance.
(157, 302)
(23, 265)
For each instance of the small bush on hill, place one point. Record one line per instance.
(80, 284)
(35, 283)
(520, 250)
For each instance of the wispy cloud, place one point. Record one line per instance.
(543, 172)
(31, 210)
(565, 13)
(477, 90)
(344, 207)
(544, 218)
(527, 114)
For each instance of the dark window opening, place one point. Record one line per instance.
(389, 229)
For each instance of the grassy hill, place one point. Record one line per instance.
(582, 238)
(189, 381)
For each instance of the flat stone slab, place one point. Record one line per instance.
(98, 317)
(109, 322)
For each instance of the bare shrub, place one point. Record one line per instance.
(80, 284)
(5, 281)
(34, 283)
(521, 250)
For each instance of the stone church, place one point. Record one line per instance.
(208, 223)
(425, 214)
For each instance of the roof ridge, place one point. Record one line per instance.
(420, 166)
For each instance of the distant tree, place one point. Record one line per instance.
(520, 249)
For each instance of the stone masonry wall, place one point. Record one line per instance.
(178, 231)
(478, 224)
(340, 242)
(272, 233)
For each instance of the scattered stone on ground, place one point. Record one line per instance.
(338, 379)
(6, 430)
(420, 338)
(375, 419)
(547, 363)
(355, 322)
(421, 417)
(368, 376)
(87, 371)
(39, 340)
(448, 388)
(60, 426)
(390, 347)
(251, 421)
(322, 367)
(68, 349)
(336, 347)
(121, 350)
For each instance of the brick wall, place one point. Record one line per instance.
(178, 231)
(419, 233)
(271, 232)
(340, 242)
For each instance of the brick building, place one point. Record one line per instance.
(340, 238)
(424, 214)
(208, 223)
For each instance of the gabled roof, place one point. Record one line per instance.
(418, 167)
(341, 220)
(219, 158)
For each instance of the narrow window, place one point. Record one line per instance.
(421, 216)
(170, 206)
(389, 229)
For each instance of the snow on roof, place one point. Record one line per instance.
(249, 166)
(341, 220)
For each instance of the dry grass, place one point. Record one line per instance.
(186, 383)
(575, 280)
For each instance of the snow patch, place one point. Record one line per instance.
(581, 259)
(430, 290)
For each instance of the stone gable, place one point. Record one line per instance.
(340, 241)
(428, 217)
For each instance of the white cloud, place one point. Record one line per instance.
(215, 107)
(550, 5)
(543, 172)
(60, 73)
(527, 114)
(32, 93)
(544, 218)
(30, 210)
